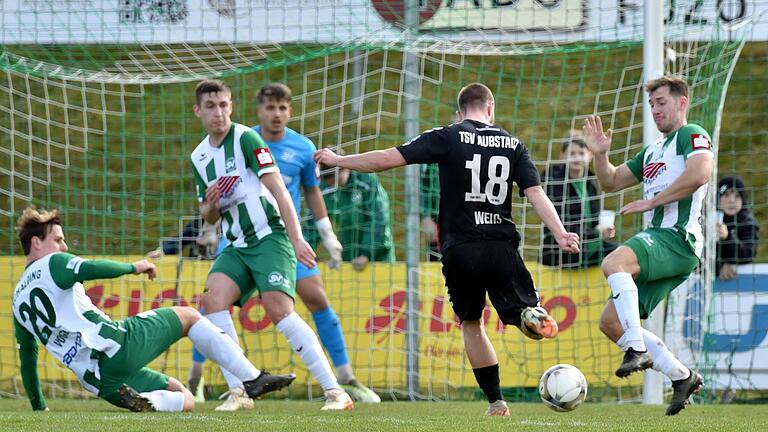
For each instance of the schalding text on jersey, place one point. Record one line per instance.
(63, 318)
(478, 164)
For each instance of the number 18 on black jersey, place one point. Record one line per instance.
(477, 164)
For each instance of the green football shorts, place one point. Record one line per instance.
(666, 260)
(270, 265)
(142, 338)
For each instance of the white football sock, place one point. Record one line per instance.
(627, 308)
(166, 400)
(663, 359)
(217, 346)
(223, 320)
(622, 342)
(304, 342)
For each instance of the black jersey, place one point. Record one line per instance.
(477, 164)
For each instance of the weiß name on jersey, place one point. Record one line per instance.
(487, 218)
(496, 141)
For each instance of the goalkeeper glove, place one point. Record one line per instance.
(330, 242)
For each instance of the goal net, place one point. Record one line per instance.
(96, 119)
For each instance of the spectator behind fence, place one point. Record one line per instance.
(738, 230)
(573, 190)
(359, 208)
(200, 242)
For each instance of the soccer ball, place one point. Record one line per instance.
(563, 387)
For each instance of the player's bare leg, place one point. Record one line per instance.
(485, 365)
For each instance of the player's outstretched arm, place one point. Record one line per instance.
(611, 178)
(274, 183)
(372, 161)
(145, 267)
(569, 242)
(28, 362)
(68, 269)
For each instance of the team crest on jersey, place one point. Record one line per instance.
(699, 142)
(229, 165)
(227, 184)
(288, 156)
(276, 279)
(653, 170)
(263, 157)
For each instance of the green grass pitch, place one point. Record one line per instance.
(93, 415)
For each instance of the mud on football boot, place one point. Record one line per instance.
(682, 390)
(536, 323)
(634, 361)
(132, 400)
(266, 383)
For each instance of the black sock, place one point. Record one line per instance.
(488, 380)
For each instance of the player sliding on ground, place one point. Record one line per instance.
(239, 182)
(108, 357)
(478, 162)
(641, 273)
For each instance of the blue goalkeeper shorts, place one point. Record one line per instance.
(302, 272)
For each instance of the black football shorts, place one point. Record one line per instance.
(493, 266)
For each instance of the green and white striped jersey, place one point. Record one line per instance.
(659, 165)
(249, 211)
(51, 306)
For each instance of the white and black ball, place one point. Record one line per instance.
(563, 387)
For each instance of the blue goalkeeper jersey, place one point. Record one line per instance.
(293, 154)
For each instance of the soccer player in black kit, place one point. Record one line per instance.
(478, 162)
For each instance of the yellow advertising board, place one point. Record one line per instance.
(371, 306)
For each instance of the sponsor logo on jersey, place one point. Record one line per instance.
(72, 352)
(652, 170)
(263, 157)
(229, 165)
(699, 142)
(227, 184)
(75, 263)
